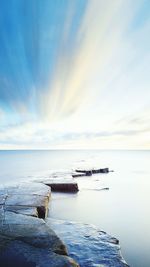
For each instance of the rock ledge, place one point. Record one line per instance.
(24, 234)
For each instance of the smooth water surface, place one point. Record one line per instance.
(122, 211)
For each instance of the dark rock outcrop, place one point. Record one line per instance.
(92, 171)
(78, 174)
(66, 185)
(69, 187)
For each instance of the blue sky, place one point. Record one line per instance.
(74, 74)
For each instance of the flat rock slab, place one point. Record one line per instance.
(78, 174)
(24, 237)
(70, 187)
(62, 175)
(89, 172)
(27, 189)
(25, 198)
(88, 245)
(67, 185)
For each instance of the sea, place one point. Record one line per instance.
(122, 211)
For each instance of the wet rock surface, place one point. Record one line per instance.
(25, 238)
(89, 172)
(89, 246)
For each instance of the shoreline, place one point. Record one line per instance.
(24, 206)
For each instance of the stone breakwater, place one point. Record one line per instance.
(28, 238)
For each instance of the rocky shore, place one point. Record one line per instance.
(88, 245)
(24, 233)
(28, 238)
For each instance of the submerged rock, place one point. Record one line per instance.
(89, 246)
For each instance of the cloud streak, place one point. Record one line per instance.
(76, 70)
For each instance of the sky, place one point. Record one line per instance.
(74, 74)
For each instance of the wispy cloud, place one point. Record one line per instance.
(75, 70)
(106, 53)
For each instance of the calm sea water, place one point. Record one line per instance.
(122, 211)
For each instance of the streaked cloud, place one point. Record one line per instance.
(75, 74)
